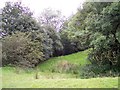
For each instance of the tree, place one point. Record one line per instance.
(104, 23)
(52, 18)
(75, 34)
(47, 43)
(51, 21)
(15, 17)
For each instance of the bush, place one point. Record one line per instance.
(19, 50)
(105, 57)
(93, 70)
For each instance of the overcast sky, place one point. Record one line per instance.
(67, 7)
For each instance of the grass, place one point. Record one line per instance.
(0, 78)
(79, 58)
(12, 79)
(18, 78)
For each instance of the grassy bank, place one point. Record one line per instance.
(79, 58)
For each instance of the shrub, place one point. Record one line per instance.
(93, 70)
(20, 50)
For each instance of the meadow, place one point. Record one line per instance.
(14, 77)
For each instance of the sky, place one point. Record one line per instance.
(67, 7)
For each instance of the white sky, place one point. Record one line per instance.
(67, 7)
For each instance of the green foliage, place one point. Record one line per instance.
(118, 36)
(43, 40)
(96, 25)
(42, 37)
(93, 71)
(19, 50)
(54, 36)
(74, 35)
(15, 17)
(51, 21)
(74, 41)
(102, 20)
(66, 42)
